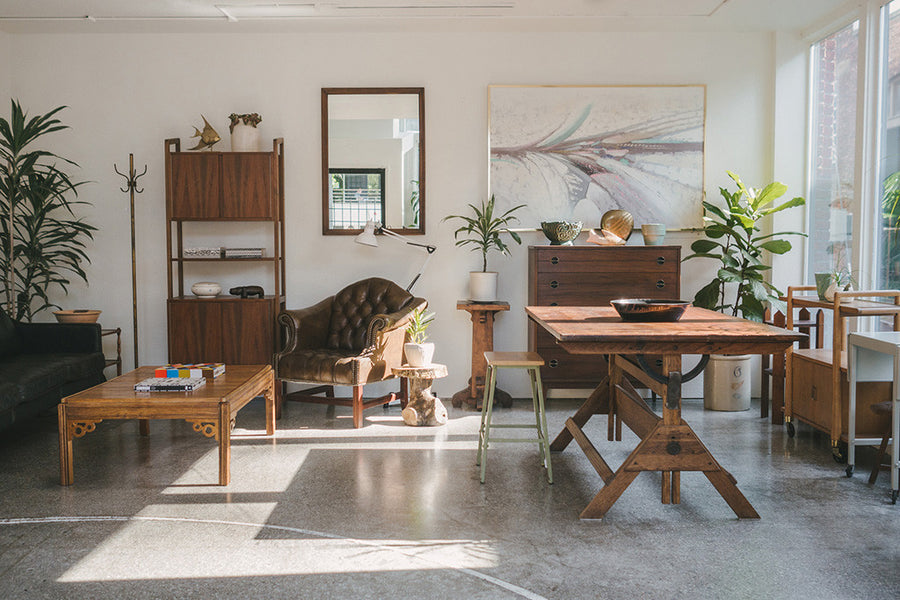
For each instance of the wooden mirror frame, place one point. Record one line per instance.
(326, 179)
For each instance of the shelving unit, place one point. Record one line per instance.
(817, 388)
(241, 187)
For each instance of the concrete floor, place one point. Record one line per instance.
(390, 511)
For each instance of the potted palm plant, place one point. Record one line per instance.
(419, 353)
(44, 243)
(734, 239)
(482, 231)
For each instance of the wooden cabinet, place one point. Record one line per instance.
(592, 276)
(224, 186)
(817, 388)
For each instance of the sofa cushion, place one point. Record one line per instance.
(34, 374)
(328, 366)
(10, 343)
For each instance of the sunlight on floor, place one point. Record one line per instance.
(145, 548)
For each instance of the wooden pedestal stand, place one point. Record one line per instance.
(482, 341)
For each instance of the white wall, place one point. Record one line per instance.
(5, 71)
(127, 93)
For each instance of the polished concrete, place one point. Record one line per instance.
(390, 511)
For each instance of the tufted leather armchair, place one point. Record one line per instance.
(352, 338)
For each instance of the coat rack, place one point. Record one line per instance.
(132, 189)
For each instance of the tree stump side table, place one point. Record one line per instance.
(482, 341)
(422, 408)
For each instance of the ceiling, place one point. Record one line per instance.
(25, 16)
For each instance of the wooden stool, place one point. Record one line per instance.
(531, 362)
(882, 408)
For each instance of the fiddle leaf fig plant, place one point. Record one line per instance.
(734, 238)
(482, 230)
(43, 242)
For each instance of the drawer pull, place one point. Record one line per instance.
(660, 284)
(554, 260)
(554, 284)
(659, 363)
(554, 304)
(553, 363)
(660, 260)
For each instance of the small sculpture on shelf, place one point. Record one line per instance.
(247, 291)
(208, 137)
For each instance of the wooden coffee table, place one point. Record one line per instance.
(210, 409)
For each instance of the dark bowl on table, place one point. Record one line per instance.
(649, 309)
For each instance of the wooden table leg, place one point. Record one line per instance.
(668, 445)
(144, 426)
(596, 403)
(224, 427)
(66, 466)
(269, 396)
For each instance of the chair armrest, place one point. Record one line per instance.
(57, 338)
(384, 323)
(305, 327)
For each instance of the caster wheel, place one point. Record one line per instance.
(849, 470)
(791, 430)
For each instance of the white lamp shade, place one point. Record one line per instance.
(367, 237)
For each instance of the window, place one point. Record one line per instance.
(832, 150)
(357, 195)
(889, 169)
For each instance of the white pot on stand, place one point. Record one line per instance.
(244, 138)
(419, 355)
(483, 286)
(726, 382)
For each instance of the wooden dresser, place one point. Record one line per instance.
(592, 276)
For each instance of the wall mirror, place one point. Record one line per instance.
(373, 159)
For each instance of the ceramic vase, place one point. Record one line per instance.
(726, 382)
(244, 138)
(419, 355)
(483, 286)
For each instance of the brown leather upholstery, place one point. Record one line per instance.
(351, 338)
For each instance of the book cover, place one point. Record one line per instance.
(207, 370)
(170, 384)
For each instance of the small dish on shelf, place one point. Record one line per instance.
(206, 289)
(649, 309)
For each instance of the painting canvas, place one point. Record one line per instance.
(575, 152)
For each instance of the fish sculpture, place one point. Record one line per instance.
(208, 137)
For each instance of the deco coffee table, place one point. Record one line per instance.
(668, 443)
(210, 409)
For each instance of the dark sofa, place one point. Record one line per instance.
(42, 362)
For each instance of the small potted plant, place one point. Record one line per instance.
(733, 237)
(419, 352)
(482, 231)
(244, 134)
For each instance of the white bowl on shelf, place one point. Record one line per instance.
(206, 289)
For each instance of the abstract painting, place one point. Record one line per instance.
(575, 152)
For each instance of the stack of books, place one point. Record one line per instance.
(170, 384)
(245, 252)
(203, 252)
(205, 370)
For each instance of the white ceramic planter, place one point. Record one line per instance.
(483, 286)
(244, 138)
(419, 355)
(206, 289)
(726, 382)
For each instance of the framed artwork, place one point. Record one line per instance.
(574, 152)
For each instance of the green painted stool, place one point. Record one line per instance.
(531, 362)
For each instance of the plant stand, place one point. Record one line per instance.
(422, 408)
(482, 341)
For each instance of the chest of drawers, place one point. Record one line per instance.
(592, 276)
